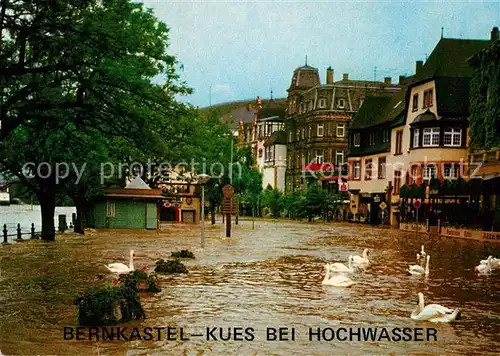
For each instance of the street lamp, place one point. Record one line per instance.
(203, 179)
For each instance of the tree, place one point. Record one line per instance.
(81, 70)
(272, 198)
(315, 201)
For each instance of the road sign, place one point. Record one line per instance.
(229, 206)
(382, 205)
(228, 191)
(417, 204)
(382, 214)
(343, 187)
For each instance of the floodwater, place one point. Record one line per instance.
(269, 276)
(25, 215)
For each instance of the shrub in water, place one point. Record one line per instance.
(139, 281)
(182, 254)
(109, 306)
(172, 266)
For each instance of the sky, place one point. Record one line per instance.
(238, 50)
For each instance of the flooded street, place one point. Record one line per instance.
(269, 276)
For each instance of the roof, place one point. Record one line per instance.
(449, 59)
(273, 108)
(306, 67)
(453, 96)
(377, 110)
(137, 183)
(425, 117)
(490, 53)
(277, 138)
(363, 83)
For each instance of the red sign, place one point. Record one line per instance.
(326, 167)
(343, 187)
(417, 204)
(228, 191)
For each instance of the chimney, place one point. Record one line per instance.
(419, 67)
(494, 34)
(345, 76)
(402, 78)
(329, 75)
(388, 80)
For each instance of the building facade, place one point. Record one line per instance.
(317, 120)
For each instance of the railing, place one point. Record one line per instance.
(19, 233)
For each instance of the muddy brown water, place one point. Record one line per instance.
(269, 276)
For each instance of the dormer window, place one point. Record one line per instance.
(341, 103)
(322, 103)
(357, 139)
(320, 130)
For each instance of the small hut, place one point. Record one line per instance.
(136, 207)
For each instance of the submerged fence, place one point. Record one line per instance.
(19, 233)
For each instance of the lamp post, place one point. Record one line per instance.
(203, 179)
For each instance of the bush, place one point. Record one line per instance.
(139, 281)
(109, 306)
(173, 266)
(182, 254)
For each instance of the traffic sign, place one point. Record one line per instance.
(229, 206)
(382, 205)
(228, 191)
(417, 204)
(382, 214)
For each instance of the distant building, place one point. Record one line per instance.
(317, 120)
(4, 191)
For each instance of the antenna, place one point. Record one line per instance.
(375, 74)
(306, 59)
(271, 94)
(442, 29)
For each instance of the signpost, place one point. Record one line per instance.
(382, 214)
(417, 204)
(228, 206)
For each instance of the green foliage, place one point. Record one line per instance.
(182, 254)
(272, 199)
(139, 281)
(485, 101)
(172, 266)
(109, 306)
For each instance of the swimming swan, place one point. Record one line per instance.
(486, 267)
(419, 270)
(121, 267)
(494, 262)
(361, 260)
(338, 280)
(422, 252)
(434, 312)
(340, 267)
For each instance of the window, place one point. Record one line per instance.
(397, 182)
(428, 98)
(386, 135)
(399, 142)
(416, 136)
(319, 157)
(430, 171)
(310, 105)
(451, 170)
(372, 138)
(320, 130)
(310, 131)
(357, 170)
(303, 133)
(269, 129)
(452, 137)
(341, 103)
(322, 103)
(110, 209)
(290, 136)
(260, 152)
(339, 158)
(430, 137)
(303, 159)
(341, 130)
(357, 139)
(413, 174)
(381, 168)
(368, 169)
(415, 102)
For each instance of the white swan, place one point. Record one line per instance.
(419, 270)
(121, 267)
(494, 262)
(484, 268)
(434, 312)
(358, 260)
(422, 252)
(340, 267)
(338, 280)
